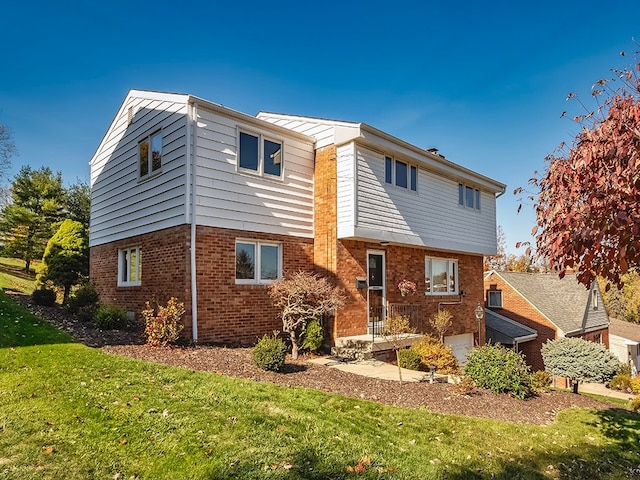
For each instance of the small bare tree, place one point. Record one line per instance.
(396, 328)
(441, 322)
(301, 297)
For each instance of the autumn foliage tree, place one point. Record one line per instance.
(588, 206)
(301, 297)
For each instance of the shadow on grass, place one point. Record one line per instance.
(584, 461)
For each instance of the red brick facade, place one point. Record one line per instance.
(227, 312)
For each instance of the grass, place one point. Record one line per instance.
(69, 411)
(12, 275)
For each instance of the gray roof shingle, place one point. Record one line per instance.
(565, 302)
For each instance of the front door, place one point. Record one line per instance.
(376, 290)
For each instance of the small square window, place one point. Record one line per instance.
(129, 267)
(494, 299)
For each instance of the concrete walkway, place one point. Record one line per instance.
(376, 369)
(600, 389)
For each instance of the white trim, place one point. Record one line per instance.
(192, 117)
(383, 289)
(493, 305)
(456, 262)
(240, 129)
(138, 273)
(257, 261)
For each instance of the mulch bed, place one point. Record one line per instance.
(237, 362)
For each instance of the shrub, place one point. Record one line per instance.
(500, 370)
(111, 317)
(540, 381)
(465, 386)
(409, 358)
(634, 404)
(579, 360)
(434, 352)
(84, 301)
(624, 368)
(44, 296)
(313, 337)
(621, 381)
(635, 385)
(270, 352)
(164, 327)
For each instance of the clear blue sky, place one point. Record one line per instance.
(484, 82)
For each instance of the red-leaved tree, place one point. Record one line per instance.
(588, 206)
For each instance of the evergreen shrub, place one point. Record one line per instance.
(500, 370)
(270, 352)
(44, 296)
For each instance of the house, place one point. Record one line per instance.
(624, 341)
(548, 305)
(195, 200)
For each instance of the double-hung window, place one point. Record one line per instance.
(400, 174)
(494, 299)
(260, 154)
(129, 267)
(441, 276)
(150, 154)
(468, 197)
(258, 262)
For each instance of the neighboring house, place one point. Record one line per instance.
(548, 305)
(195, 200)
(624, 341)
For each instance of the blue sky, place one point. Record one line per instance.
(484, 82)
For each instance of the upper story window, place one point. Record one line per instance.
(400, 174)
(129, 267)
(441, 276)
(150, 154)
(494, 299)
(260, 154)
(258, 262)
(468, 196)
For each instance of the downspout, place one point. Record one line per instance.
(190, 213)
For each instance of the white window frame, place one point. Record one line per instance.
(428, 274)
(124, 257)
(462, 197)
(149, 139)
(257, 262)
(491, 299)
(394, 181)
(260, 169)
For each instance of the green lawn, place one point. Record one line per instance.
(69, 411)
(13, 277)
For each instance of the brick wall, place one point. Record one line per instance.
(408, 263)
(227, 312)
(231, 313)
(165, 271)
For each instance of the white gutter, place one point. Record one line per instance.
(191, 202)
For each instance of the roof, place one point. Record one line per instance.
(564, 302)
(628, 330)
(506, 331)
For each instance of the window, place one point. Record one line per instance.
(494, 299)
(400, 173)
(129, 267)
(597, 338)
(441, 276)
(468, 196)
(257, 262)
(594, 302)
(260, 154)
(150, 154)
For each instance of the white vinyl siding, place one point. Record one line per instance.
(122, 204)
(429, 217)
(323, 132)
(229, 197)
(346, 190)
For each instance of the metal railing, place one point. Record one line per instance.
(413, 312)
